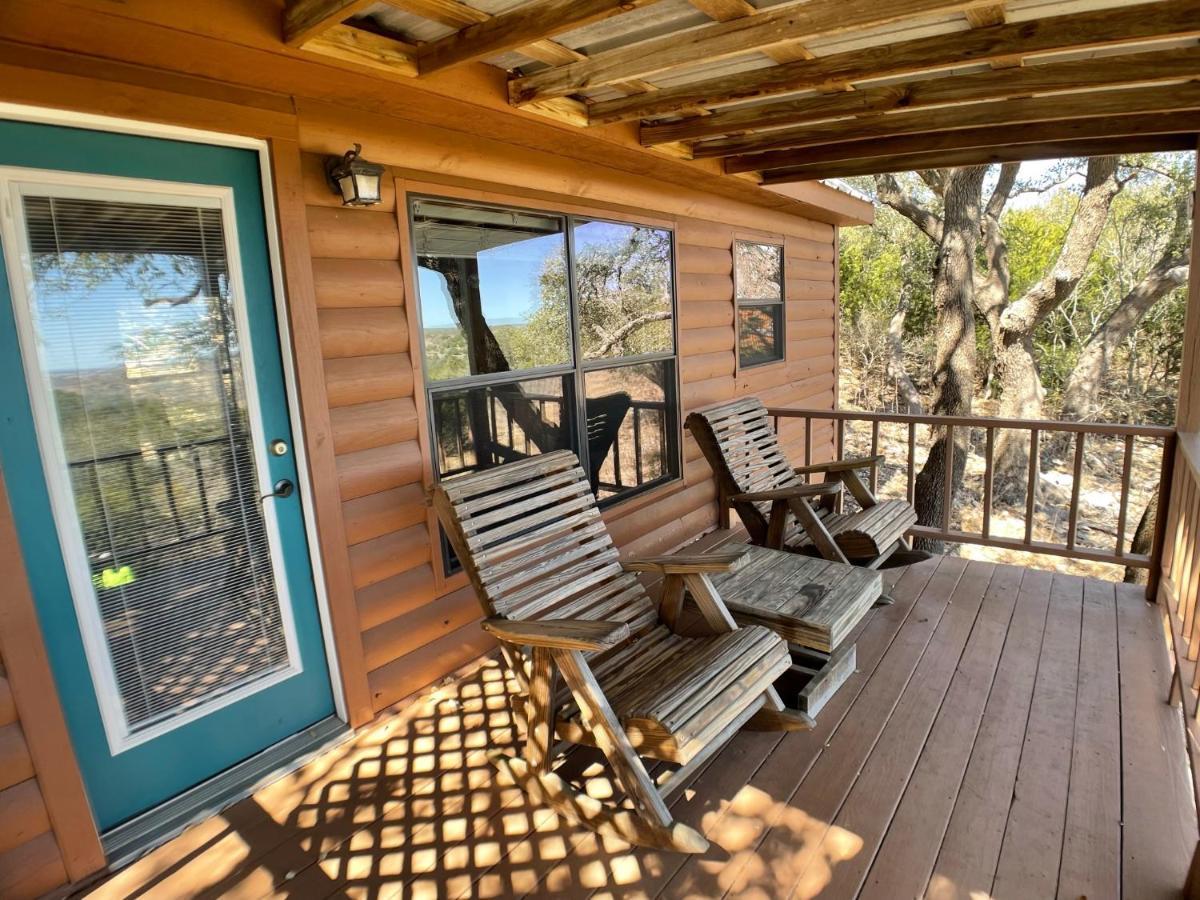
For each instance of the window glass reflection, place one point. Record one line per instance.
(493, 289)
(630, 411)
(623, 279)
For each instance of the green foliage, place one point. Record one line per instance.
(894, 260)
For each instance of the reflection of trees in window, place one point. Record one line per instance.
(477, 264)
(758, 281)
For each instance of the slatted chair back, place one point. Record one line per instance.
(605, 416)
(530, 537)
(741, 447)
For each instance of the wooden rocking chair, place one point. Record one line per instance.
(545, 569)
(780, 511)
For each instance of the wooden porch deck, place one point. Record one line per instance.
(1006, 735)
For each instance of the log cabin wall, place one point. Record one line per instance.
(222, 68)
(416, 626)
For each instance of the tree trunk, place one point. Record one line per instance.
(910, 399)
(1143, 539)
(954, 361)
(1016, 367)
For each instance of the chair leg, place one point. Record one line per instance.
(655, 826)
(817, 532)
(540, 727)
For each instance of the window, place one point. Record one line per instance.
(543, 332)
(758, 286)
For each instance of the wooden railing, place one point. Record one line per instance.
(1179, 588)
(1076, 433)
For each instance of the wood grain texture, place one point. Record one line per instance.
(717, 41)
(925, 54)
(39, 734)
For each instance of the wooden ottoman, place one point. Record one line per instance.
(813, 604)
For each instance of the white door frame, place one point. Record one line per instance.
(89, 121)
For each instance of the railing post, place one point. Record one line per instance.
(1160, 518)
(989, 452)
(948, 480)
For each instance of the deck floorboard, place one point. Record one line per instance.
(1006, 734)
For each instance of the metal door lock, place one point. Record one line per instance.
(279, 447)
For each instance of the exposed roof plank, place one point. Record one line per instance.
(1172, 18)
(365, 48)
(1144, 143)
(523, 25)
(1082, 74)
(984, 16)
(721, 40)
(306, 19)
(725, 10)
(1162, 99)
(971, 138)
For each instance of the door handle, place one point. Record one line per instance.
(283, 488)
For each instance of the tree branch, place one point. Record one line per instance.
(890, 191)
(611, 340)
(1101, 187)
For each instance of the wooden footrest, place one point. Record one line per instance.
(813, 678)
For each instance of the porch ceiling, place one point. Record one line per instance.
(781, 90)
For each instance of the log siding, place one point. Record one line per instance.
(398, 625)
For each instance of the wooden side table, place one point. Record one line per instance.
(813, 604)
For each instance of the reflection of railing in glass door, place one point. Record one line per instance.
(191, 515)
(507, 441)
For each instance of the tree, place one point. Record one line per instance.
(1053, 262)
(956, 232)
(1080, 397)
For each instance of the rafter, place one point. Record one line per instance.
(304, 20)
(1076, 75)
(993, 136)
(725, 10)
(365, 48)
(526, 24)
(1163, 99)
(1145, 143)
(720, 40)
(1155, 21)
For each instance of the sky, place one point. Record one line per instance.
(508, 277)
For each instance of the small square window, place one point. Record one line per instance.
(758, 286)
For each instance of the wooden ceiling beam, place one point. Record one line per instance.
(524, 25)
(993, 136)
(721, 40)
(986, 16)
(1134, 68)
(1146, 143)
(1131, 101)
(1149, 22)
(365, 48)
(307, 19)
(725, 10)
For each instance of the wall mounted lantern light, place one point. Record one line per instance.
(353, 178)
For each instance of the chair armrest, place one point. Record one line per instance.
(559, 634)
(823, 489)
(686, 563)
(841, 465)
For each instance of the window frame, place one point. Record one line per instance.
(740, 303)
(577, 367)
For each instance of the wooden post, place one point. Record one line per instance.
(1031, 487)
(1076, 477)
(1160, 519)
(988, 477)
(1123, 515)
(948, 479)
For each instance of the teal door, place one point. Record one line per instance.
(146, 447)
